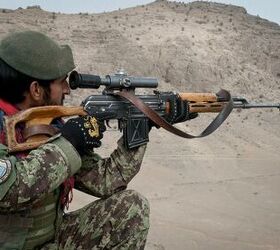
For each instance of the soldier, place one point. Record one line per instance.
(36, 186)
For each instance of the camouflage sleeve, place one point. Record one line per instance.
(103, 177)
(40, 173)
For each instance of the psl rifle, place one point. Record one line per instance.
(118, 101)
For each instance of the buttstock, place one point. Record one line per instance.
(34, 118)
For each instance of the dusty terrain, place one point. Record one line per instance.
(216, 193)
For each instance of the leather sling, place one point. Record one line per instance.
(158, 120)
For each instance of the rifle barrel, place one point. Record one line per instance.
(255, 105)
(213, 107)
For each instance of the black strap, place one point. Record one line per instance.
(151, 114)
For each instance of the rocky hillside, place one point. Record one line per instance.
(199, 46)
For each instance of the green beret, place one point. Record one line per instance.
(36, 55)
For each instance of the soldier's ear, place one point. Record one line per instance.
(36, 91)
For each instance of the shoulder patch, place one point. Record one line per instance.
(5, 170)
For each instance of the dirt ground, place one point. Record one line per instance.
(216, 193)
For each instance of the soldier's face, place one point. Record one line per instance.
(58, 89)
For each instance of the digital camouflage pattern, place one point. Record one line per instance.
(117, 219)
(40, 173)
(110, 174)
(118, 222)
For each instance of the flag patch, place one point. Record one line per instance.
(5, 170)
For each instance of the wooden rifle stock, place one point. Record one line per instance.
(33, 118)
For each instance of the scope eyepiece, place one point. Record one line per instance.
(77, 80)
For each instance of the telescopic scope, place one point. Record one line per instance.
(116, 81)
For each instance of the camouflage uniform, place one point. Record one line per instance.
(30, 211)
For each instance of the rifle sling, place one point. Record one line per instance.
(152, 115)
(41, 129)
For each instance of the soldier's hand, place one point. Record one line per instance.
(84, 133)
(179, 110)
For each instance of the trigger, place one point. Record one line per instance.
(108, 124)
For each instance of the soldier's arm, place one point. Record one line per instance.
(40, 173)
(103, 177)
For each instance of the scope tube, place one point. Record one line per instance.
(117, 81)
(120, 81)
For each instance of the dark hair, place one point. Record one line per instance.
(13, 84)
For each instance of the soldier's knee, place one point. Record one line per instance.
(139, 205)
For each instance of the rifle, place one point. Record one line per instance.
(118, 101)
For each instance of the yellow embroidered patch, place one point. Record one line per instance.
(92, 126)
